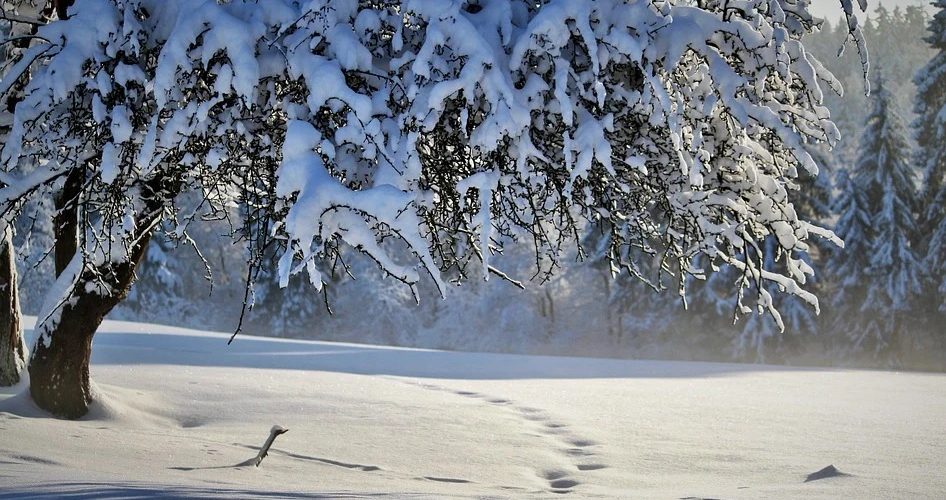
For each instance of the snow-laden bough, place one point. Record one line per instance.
(429, 134)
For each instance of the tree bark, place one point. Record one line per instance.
(66, 220)
(12, 352)
(60, 381)
(62, 7)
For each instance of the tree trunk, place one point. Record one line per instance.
(62, 7)
(66, 221)
(59, 365)
(12, 353)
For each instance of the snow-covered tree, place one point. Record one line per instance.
(930, 127)
(763, 337)
(18, 24)
(12, 348)
(854, 227)
(880, 270)
(161, 284)
(895, 44)
(440, 129)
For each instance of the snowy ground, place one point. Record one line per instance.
(181, 411)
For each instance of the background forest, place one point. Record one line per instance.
(881, 297)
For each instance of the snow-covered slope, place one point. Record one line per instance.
(180, 410)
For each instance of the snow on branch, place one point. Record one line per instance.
(441, 130)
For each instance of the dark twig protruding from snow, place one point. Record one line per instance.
(275, 431)
(829, 471)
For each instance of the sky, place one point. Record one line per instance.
(831, 9)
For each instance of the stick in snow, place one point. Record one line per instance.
(829, 471)
(275, 431)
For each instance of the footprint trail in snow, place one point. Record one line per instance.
(578, 454)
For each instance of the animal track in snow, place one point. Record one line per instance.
(558, 480)
(563, 484)
(528, 410)
(191, 422)
(554, 474)
(571, 447)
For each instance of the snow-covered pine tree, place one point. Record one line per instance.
(895, 45)
(766, 338)
(285, 311)
(160, 286)
(930, 128)
(761, 331)
(712, 311)
(624, 288)
(813, 202)
(762, 339)
(420, 126)
(848, 267)
(878, 219)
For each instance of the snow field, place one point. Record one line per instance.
(180, 411)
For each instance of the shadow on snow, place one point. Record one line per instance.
(127, 344)
(89, 490)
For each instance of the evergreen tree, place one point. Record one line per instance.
(761, 332)
(634, 310)
(877, 221)
(895, 45)
(848, 266)
(930, 127)
(160, 286)
(714, 310)
(760, 329)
